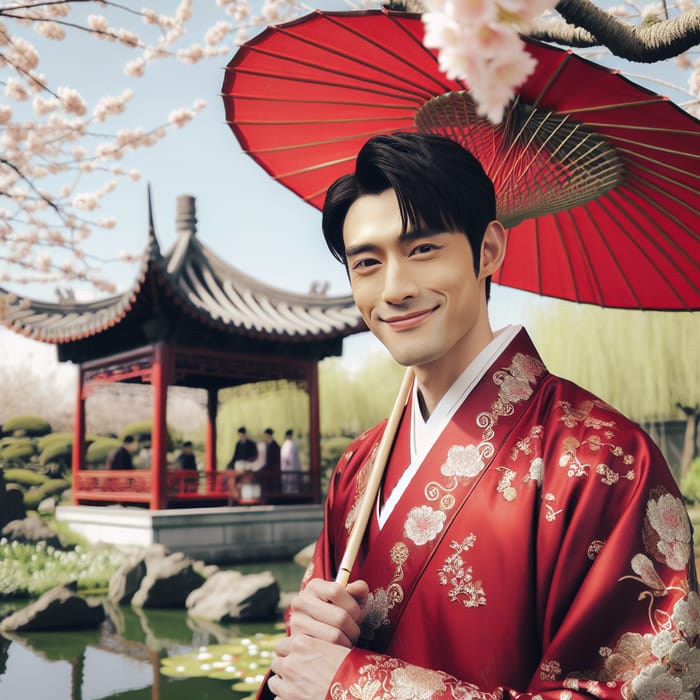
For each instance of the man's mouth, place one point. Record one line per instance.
(405, 322)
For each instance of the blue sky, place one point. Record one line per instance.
(243, 215)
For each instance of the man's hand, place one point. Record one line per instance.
(324, 624)
(325, 610)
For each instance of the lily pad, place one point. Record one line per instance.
(245, 660)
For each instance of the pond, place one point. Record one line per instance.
(122, 661)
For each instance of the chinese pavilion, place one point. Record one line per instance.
(193, 320)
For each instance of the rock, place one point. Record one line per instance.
(127, 580)
(48, 505)
(230, 595)
(31, 530)
(304, 556)
(57, 609)
(167, 583)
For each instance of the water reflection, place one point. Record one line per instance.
(121, 661)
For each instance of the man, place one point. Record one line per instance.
(186, 459)
(121, 457)
(245, 451)
(269, 473)
(528, 540)
(289, 464)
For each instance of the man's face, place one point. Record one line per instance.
(418, 294)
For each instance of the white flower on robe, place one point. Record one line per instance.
(423, 524)
(415, 683)
(464, 461)
(668, 517)
(686, 614)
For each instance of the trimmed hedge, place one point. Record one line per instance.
(97, 452)
(20, 451)
(142, 431)
(43, 442)
(28, 425)
(25, 477)
(57, 451)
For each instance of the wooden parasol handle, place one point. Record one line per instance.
(374, 481)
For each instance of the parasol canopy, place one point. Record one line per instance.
(596, 177)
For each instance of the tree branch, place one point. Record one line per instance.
(646, 44)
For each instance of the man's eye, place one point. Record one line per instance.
(424, 248)
(364, 263)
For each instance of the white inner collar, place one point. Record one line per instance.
(424, 433)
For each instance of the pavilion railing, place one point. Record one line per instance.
(185, 486)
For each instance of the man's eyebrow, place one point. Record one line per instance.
(420, 233)
(406, 237)
(359, 249)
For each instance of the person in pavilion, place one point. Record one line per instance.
(527, 540)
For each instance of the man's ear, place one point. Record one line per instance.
(493, 249)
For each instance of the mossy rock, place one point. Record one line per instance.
(57, 451)
(21, 451)
(97, 452)
(28, 425)
(24, 477)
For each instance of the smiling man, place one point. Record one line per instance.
(527, 540)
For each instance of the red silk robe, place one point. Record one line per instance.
(541, 550)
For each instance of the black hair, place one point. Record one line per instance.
(187, 443)
(289, 433)
(439, 185)
(269, 431)
(129, 439)
(242, 429)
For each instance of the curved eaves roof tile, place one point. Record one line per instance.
(206, 287)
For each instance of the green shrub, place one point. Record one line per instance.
(96, 454)
(690, 486)
(25, 477)
(29, 425)
(332, 448)
(43, 442)
(142, 432)
(33, 498)
(20, 451)
(57, 451)
(52, 487)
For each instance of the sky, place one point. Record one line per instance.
(244, 216)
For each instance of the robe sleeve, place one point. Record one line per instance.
(617, 608)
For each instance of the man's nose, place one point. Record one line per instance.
(399, 282)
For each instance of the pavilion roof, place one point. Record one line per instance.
(197, 283)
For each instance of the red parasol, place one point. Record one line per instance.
(596, 177)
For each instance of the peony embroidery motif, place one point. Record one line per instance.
(423, 524)
(463, 461)
(415, 683)
(667, 530)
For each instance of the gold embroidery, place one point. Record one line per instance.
(360, 486)
(549, 670)
(453, 572)
(384, 678)
(551, 514)
(505, 485)
(594, 549)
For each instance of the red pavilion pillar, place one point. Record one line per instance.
(314, 428)
(210, 438)
(161, 374)
(78, 434)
